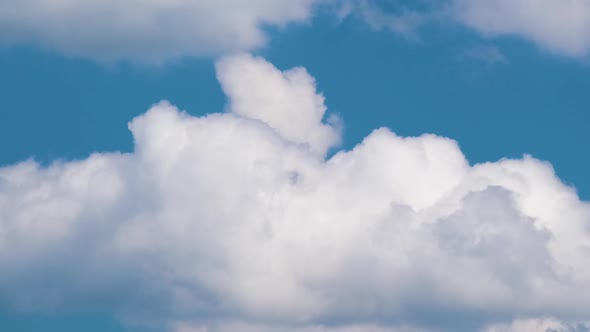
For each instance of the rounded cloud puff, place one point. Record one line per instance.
(236, 221)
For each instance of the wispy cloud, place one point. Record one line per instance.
(489, 55)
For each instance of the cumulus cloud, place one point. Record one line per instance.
(286, 101)
(238, 221)
(148, 31)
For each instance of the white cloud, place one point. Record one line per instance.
(538, 325)
(147, 30)
(245, 327)
(403, 18)
(286, 101)
(237, 218)
(518, 325)
(155, 31)
(558, 26)
(404, 21)
(561, 26)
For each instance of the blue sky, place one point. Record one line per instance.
(500, 91)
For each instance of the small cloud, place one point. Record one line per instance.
(399, 18)
(489, 55)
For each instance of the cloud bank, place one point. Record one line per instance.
(149, 30)
(156, 31)
(238, 221)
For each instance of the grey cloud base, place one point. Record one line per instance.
(151, 31)
(236, 221)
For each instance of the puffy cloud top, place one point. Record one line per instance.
(286, 101)
(236, 221)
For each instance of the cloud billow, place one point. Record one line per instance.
(237, 221)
